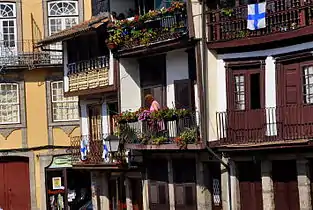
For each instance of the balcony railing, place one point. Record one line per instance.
(281, 16)
(152, 28)
(177, 132)
(93, 73)
(89, 150)
(276, 124)
(24, 53)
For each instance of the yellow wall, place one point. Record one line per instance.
(36, 108)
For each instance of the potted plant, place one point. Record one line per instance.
(188, 136)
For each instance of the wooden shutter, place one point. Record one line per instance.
(95, 126)
(184, 94)
(158, 195)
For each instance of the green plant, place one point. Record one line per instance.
(227, 12)
(188, 136)
(125, 132)
(159, 140)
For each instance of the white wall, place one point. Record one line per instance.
(65, 70)
(121, 6)
(129, 84)
(111, 69)
(176, 69)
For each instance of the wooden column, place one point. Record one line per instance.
(171, 191)
(128, 194)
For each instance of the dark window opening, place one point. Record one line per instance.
(180, 174)
(152, 71)
(255, 91)
(158, 170)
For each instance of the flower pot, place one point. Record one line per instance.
(111, 46)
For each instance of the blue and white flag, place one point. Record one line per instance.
(256, 16)
(84, 147)
(105, 154)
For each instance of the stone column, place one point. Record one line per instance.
(171, 191)
(104, 190)
(128, 194)
(204, 197)
(304, 185)
(229, 181)
(267, 185)
(94, 191)
(145, 190)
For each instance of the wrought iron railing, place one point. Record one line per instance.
(89, 149)
(24, 53)
(89, 74)
(151, 31)
(181, 131)
(281, 16)
(287, 123)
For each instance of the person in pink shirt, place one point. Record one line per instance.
(150, 101)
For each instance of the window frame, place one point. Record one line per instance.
(304, 85)
(18, 103)
(52, 102)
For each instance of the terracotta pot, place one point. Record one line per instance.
(111, 45)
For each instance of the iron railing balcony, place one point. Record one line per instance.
(153, 28)
(284, 20)
(268, 125)
(88, 74)
(23, 53)
(175, 133)
(99, 149)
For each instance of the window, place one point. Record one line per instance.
(9, 103)
(63, 108)
(7, 28)
(308, 84)
(62, 15)
(239, 92)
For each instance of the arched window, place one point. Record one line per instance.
(62, 15)
(7, 27)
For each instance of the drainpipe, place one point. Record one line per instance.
(205, 106)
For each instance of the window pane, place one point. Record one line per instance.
(9, 103)
(63, 108)
(239, 92)
(308, 84)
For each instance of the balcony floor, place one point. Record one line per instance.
(165, 147)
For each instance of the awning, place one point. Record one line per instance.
(76, 30)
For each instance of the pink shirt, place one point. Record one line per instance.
(154, 104)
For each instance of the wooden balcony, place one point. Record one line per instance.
(277, 125)
(154, 30)
(169, 134)
(90, 74)
(94, 146)
(284, 20)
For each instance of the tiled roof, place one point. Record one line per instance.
(94, 22)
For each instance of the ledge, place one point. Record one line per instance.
(164, 147)
(249, 41)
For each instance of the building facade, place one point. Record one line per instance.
(37, 121)
(262, 101)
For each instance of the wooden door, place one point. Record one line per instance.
(286, 193)
(136, 186)
(15, 185)
(250, 185)
(95, 122)
(184, 184)
(158, 184)
(296, 98)
(246, 115)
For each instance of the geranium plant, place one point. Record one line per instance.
(138, 31)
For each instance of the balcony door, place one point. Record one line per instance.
(295, 83)
(7, 31)
(95, 122)
(246, 115)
